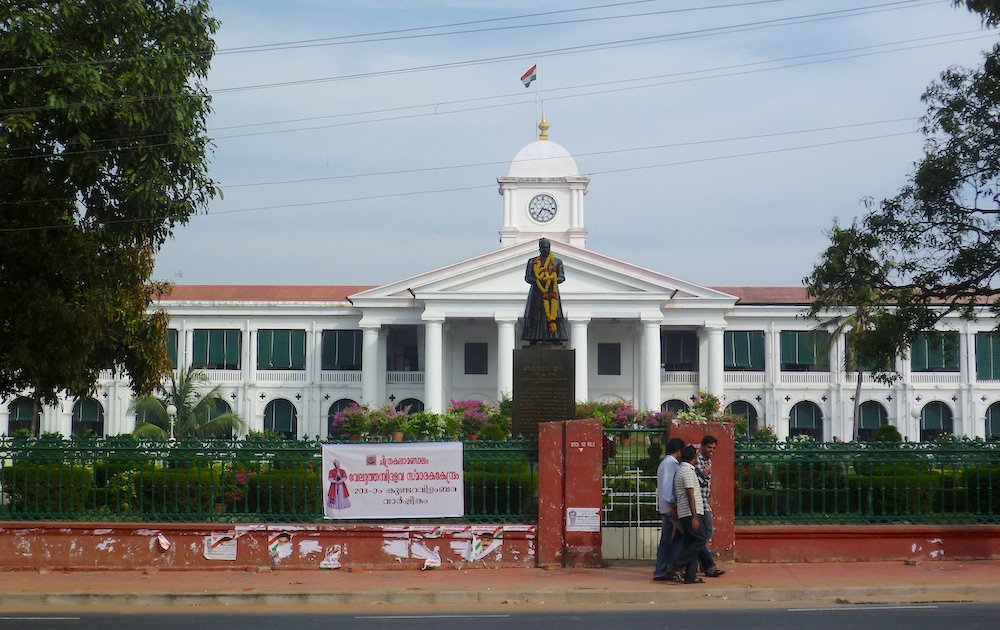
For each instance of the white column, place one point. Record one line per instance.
(651, 390)
(703, 360)
(505, 355)
(716, 359)
(433, 364)
(578, 341)
(369, 364)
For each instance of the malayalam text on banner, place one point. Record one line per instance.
(393, 480)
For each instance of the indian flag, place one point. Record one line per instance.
(530, 75)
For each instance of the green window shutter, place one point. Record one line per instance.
(264, 344)
(821, 345)
(233, 349)
(172, 347)
(216, 349)
(341, 350)
(200, 351)
(298, 350)
(789, 347)
(918, 354)
(281, 350)
(756, 338)
(984, 357)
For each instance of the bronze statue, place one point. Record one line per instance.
(543, 315)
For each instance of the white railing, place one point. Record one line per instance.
(224, 376)
(866, 379)
(683, 378)
(342, 377)
(805, 378)
(744, 378)
(404, 378)
(281, 376)
(932, 378)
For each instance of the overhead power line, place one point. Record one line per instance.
(356, 38)
(439, 190)
(437, 106)
(638, 41)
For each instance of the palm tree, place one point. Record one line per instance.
(198, 411)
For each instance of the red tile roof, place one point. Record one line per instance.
(767, 295)
(261, 293)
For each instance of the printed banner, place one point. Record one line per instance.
(393, 480)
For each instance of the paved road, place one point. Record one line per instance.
(885, 617)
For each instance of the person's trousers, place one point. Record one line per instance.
(694, 543)
(670, 546)
(705, 559)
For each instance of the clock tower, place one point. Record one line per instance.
(543, 194)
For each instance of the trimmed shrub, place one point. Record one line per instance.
(47, 489)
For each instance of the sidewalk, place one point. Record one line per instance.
(465, 588)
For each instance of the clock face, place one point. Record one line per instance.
(542, 208)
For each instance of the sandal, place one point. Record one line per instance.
(715, 573)
(697, 580)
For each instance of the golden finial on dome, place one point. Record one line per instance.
(543, 128)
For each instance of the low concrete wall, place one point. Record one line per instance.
(218, 546)
(826, 543)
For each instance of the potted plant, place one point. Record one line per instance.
(472, 416)
(387, 422)
(424, 425)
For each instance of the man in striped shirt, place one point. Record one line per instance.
(690, 512)
(703, 468)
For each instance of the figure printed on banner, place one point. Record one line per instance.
(337, 496)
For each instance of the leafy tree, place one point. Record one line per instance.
(102, 153)
(844, 290)
(196, 403)
(934, 248)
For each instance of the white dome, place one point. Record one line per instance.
(543, 158)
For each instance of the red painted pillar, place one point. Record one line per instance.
(723, 479)
(551, 499)
(583, 493)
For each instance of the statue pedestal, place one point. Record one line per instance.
(544, 387)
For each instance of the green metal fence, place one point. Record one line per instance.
(120, 479)
(837, 483)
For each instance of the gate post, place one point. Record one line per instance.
(569, 493)
(723, 479)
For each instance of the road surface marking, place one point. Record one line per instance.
(860, 607)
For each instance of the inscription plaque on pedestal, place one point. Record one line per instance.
(544, 387)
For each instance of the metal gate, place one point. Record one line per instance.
(630, 520)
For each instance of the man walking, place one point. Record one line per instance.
(703, 469)
(690, 512)
(671, 538)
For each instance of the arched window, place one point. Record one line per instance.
(993, 422)
(24, 414)
(806, 418)
(281, 417)
(675, 406)
(414, 405)
(218, 408)
(745, 410)
(88, 418)
(871, 415)
(935, 420)
(338, 405)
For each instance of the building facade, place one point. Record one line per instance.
(287, 357)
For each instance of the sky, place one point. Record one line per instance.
(359, 142)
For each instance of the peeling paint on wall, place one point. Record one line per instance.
(308, 547)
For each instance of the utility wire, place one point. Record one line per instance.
(487, 186)
(890, 6)
(305, 43)
(436, 112)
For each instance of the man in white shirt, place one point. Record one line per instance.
(690, 513)
(671, 538)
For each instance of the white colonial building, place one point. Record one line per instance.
(287, 357)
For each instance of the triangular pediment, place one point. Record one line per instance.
(500, 275)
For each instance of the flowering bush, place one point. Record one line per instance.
(657, 419)
(386, 420)
(353, 420)
(236, 486)
(473, 415)
(624, 416)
